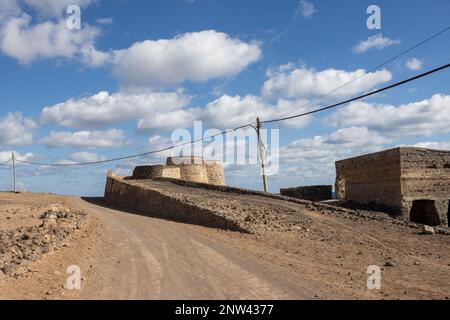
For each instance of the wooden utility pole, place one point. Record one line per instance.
(14, 171)
(262, 154)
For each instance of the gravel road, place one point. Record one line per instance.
(159, 259)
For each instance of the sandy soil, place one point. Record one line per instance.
(130, 256)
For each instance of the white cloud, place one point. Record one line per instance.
(306, 9)
(85, 139)
(313, 159)
(6, 155)
(163, 121)
(374, 42)
(27, 43)
(8, 9)
(414, 64)
(82, 157)
(153, 110)
(427, 117)
(230, 112)
(158, 140)
(196, 56)
(16, 130)
(290, 82)
(437, 145)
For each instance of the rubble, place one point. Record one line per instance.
(27, 244)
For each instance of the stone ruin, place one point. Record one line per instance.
(411, 182)
(312, 193)
(193, 169)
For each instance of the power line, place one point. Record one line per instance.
(269, 121)
(135, 155)
(361, 96)
(373, 69)
(3, 163)
(238, 128)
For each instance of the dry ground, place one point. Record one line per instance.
(129, 256)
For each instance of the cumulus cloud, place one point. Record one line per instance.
(28, 42)
(427, 117)
(437, 145)
(414, 64)
(85, 139)
(233, 111)
(291, 82)
(152, 110)
(364, 128)
(82, 157)
(341, 143)
(16, 130)
(313, 159)
(196, 56)
(6, 155)
(8, 9)
(375, 42)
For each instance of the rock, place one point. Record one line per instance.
(428, 230)
(22, 246)
(10, 269)
(50, 214)
(389, 263)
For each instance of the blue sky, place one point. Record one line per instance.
(138, 70)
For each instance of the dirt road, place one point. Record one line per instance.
(124, 255)
(159, 259)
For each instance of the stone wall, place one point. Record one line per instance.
(178, 161)
(194, 173)
(151, 172)
(133, 195)
(426, 176)
(425, 173)
(371, 178)
(215, 172)
(192, 169)
(312, 193)
(413, 182)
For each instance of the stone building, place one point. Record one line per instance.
(412, 182)
(194, 169)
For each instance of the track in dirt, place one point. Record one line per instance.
(159, 259)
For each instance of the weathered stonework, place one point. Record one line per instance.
(312, 193)
(194, 169)
(134, 194)
(413, 182)
(145, 172)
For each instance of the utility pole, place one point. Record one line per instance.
(262, 154)
(14, 171)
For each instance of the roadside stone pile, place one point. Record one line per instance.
(20, 246)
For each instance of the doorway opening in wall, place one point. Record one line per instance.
(424, 212)
(448, 214)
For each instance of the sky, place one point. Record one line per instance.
(136, 73)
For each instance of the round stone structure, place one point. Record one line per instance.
(193, 169)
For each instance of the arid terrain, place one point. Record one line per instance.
(292, 252)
